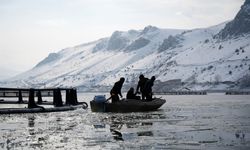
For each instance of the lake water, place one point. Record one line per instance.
(213, 121)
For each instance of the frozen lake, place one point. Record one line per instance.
(213, 121)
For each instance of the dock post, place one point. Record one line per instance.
(74, 96)
(20, 96)
(57, 98)
(31, 102)
(54, 97)
(39, 97)
(68, 97)
(71, 97)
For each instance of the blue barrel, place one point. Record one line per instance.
(100, 99)
(98, 103)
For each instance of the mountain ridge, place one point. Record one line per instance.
(214, 58)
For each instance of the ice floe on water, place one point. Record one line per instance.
(212, 121)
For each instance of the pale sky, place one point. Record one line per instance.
(31, 29)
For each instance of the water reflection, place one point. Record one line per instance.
(143, 118)
(31, 124)
(115, 131)
(120, 122)
(145, 133)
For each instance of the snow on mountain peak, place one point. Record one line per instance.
(178, 58)
(117, 41)
(52, 57)
(149, 28)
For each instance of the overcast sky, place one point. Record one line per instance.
(31, 29)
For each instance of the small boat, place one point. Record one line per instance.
(127, 105)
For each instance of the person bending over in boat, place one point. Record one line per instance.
(116, 90)
(148, 88)
(141, 84)
(132, 95)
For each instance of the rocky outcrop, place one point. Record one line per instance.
(137, 44)
(240, 25)
(170, 43)
(117, 41)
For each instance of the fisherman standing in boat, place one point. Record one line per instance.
(148, 88)
(116, 90)
(141, 84)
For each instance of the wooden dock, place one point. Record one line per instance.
(20, 93)
(237, 93)
(181, 93)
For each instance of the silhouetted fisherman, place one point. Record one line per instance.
(130, 94)
(141, 84)
(116, 90)
(148, 88)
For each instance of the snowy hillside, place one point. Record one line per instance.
(7, 73)
(211, 58)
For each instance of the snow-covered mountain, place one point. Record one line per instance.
(240, 24)
(7, 73)
(209, 58)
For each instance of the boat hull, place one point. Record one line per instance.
(128, 105)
